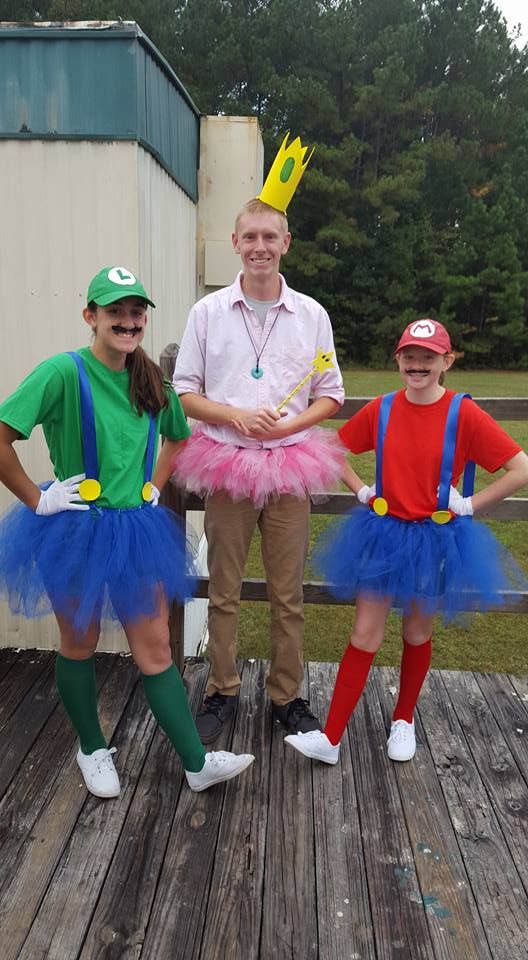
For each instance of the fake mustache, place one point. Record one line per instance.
(412, 370)
(117, 328)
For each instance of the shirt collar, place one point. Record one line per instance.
(285, 300)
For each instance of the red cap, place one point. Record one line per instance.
(425, 333)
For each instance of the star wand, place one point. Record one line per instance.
(320, 363)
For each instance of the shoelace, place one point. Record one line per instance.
(299, 709)
(312, 735)
(215, 703)
(401, 732)
(217, 758)
(106, 761)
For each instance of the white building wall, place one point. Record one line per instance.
(167, 251)
(72, 207)
(167, 238)
(68, 209)
(230, 174)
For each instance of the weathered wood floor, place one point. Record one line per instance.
(367, 860)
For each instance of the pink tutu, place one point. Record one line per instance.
(302, 469)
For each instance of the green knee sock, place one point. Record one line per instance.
(168, 701)
(75, 681)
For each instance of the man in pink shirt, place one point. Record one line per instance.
(244, 349)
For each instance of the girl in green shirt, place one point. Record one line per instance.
(94, 543)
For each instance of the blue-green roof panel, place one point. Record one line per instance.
(73, 83)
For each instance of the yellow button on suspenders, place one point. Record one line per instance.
(90, 490)
(441, 516)
(146, 491)
(380, 506)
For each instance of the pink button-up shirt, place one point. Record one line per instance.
(218, 352)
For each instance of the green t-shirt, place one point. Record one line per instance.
(50, 396)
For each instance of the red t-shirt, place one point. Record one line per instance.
(413, 446)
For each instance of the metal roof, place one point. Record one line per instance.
(61, 81)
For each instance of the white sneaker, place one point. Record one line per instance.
(401, 744)
(314, 744)
(100, 775)
(219, 766)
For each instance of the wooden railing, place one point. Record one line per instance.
(513, 508)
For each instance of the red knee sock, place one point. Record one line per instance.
(415, 663)
(350, 681)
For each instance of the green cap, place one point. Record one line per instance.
(115, 283)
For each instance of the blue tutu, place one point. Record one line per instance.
(453, 567)
(94, 564)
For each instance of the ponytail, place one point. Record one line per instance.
(148, 388)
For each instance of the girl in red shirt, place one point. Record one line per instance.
(414, 545)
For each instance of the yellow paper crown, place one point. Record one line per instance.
(285, 174)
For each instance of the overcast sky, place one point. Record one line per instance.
(515, 11)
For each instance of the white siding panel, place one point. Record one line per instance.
(167, 252)
(168, 262)
(69, 208)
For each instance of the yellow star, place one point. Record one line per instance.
(323, 361)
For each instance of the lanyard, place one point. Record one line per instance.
(90, 488)
(257, 371)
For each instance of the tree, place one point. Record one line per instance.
(415, 202)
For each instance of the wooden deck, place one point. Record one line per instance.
(368, 860)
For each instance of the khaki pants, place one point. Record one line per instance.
(284, 525)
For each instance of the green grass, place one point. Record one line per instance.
(494, 642)
(480, 383)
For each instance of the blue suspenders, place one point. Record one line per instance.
(90, 489)
(448, 454)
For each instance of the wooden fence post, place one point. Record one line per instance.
(174, 498)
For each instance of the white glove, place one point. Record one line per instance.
(462, 506)
(61, 495)
(155, 496)
(366, 493)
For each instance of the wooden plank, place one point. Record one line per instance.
(234, 909)
(167, 360)
(289, 909)
(64, 913)
(512, 508)
(501, 408)
(117, 930)
(173, 498)
(400, 924)
(344, 917)
(509, 705)
(504, 408)
(8, 657)
(15, 685)
(178, 914)
(520, 686)
(30, 790)
(451, 911)
(494, 879)
(52, 829)
(505, 783)
(25, 723)
(317, 592)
